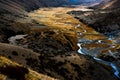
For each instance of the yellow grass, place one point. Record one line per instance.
(59, 19)
(31, 75)
(92, 46)
(112, 49)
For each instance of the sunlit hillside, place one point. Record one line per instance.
(59, 40)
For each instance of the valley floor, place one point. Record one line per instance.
(53, 38)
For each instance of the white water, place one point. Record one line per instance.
(114, 67)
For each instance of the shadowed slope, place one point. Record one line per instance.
(111, 4)
(10, 70)
(65, 66)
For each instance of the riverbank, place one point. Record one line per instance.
(107, 48)
(60, 34)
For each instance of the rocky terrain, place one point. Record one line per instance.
(10, 70)
(104, 18)
(65, 66)
(45, 40)
(108, 4)
(13, 10)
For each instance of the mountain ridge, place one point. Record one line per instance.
(110, 4)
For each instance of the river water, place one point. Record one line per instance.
(82, 50)
(90, 42)
(95, 51)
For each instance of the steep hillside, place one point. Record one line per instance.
(10, 70)
(64, 66)
(10, 12)
(19, 5)
(13, 10)
(110, 4)
(104, 17)
(104, 21)
(45, 40)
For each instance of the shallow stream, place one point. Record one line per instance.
(90, 42)
(95, 51)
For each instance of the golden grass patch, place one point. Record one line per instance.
(31, 75)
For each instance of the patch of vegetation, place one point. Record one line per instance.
(15, 53)
(14, 72)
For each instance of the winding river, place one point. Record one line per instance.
(94, 52)
(90, 42)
